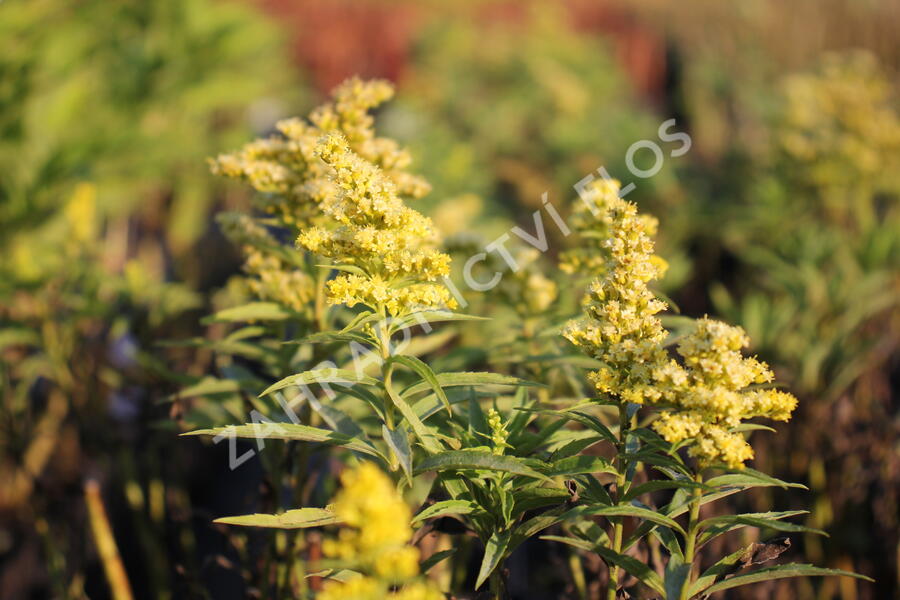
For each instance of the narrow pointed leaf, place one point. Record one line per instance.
(447, 507)
(494, 551)
(290, 432)
(623, 510)
(633, 566)
(298, 518)
(398, 441)
(429, 563)
(254, 311)
(468, 378)
(456, 460)
(425, 372)
(780, 572)
(338, 376)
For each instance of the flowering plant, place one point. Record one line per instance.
(503, 468)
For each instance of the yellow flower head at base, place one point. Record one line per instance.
(375, 541)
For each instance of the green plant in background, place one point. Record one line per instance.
(73, 343)
(514, 470)
(105, 111)
(127, 96)
(826, 271)
(510, 109)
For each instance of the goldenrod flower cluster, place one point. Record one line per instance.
(590, 224)
(287, 169)
(392, 245)
(621, 329)
(269, 276)
(299, 189)
(709, 394)
(375, 541)
(705, 397)
(841, 128)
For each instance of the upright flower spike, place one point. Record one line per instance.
(374, 541)
(287, 169)
(705, 396)
(295, 183)
(709, 394)
(590, 223)
(621, 328)
(392, 246)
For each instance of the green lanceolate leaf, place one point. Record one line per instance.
(589, 421)
(337, 376)
(290, 432)
(676, 577)
(337, 419)
(468, 378)
(624, 510)
(428, 440)
(425, 372)
(531, 498)
(331, 336)
(494, 551)
(298, 518)
(769, 520)
(724, 566)
(209, 386)
(431, 316)
(574, 542)
(750, 478)
(398, 441)
(635, 567)
(429, 563)
(447, 507)
(254, 311)
(659, 484)
(461, 460)
(579, 465)
(528, 529)
(779, 572)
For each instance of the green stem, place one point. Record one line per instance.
(496, 583)
(387, 373)
(691, 537)
(621, 483)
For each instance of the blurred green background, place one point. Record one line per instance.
(783, 217)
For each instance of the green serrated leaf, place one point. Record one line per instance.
(768, 520)
(780, 572)
(425, 372)
(579, 465)
(659, 484)
(676, 576)
(457, 460)
(290, 432)
(447, 507)
(254, 311)
(298, 518)
(621, 510)
(468, 378)
(337, 376)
